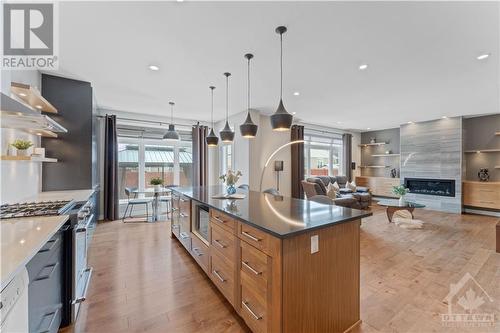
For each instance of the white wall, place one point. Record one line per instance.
(19, 180)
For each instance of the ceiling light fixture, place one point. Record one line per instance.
(248, 129)
(296, 93)
(483, 56)
(368, 128)
(212, 139)
(227, 135)
(410, 122)
(154, 68)
(22, 94)
(281, 120)
(171, 134)
(362, 67)
(39, 107)
(444, 117)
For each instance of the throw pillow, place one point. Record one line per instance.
(332, 191)
(351, 186)
(336, 186)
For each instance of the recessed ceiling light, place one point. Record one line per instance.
(444, 117)
(22, 94)
(368, 128)
(154, 68)
(296, 93)
(180, 0)
(483, 56)
(294, 112)
(339, 122)
(362, 67)
(410, 122)
(39, 107)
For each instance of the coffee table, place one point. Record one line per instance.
(392, 206)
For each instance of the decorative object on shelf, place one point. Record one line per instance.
(171, 134)
(483, 175)
(400, 191)
(230, 179)
(157, 183)
(394, 173)
(212, 139)
(22, 147)
(281, 120)
(227, 135)
(372, 140)
(278, 167)
(248, 129)
(38, 152)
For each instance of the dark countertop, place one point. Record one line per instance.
(281, 217)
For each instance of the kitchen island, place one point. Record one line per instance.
(284, 264)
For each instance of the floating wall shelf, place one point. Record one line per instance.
(28, 159)
(374, 166)
(31, 96)
(482, 151)
(372, 144)
(384, 155)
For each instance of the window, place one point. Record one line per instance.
(140, 160)
(226, 158)
(322, 155)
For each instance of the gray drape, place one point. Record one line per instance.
(297, 161)
(110, 169)
(347, 152)
(200, 155)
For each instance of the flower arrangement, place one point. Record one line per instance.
(156, 181)
(400, 190)
(21, 144)
(231, 177)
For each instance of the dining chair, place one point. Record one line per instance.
(272, 191)
(167, 199)
(134, 202)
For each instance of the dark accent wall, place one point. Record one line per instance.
(75, 150)
(392, 137)
(479, 134)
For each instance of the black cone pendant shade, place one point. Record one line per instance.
(227, 135)
(281, 120)
(212, 139)
(248, 129)
(171, 134)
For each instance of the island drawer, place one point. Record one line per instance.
(224, 242)
(253, 309)
(254, 265)
(222, 274)
(50, 250)
(200, 252)
(259, 239)
(222, 220)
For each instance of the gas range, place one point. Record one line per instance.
(40, 208)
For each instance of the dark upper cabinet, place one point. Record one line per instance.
(75, 150)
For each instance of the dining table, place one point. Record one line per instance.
(156, 192)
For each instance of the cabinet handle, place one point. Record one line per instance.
(219, 243)
(51, 316)
(245, 304)
(86, 288)
(245, 263)
(53, 243)
(197, 252)
(47, 276)
(219, 276)
(219, 220)
(244, 233)
(184, 235)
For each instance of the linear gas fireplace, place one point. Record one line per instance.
(441, 187)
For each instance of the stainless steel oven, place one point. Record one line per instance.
(200, 220)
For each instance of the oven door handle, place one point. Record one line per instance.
(86, 288)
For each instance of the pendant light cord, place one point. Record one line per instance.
(212, 88)
(248, 86)
(281, 65)
(227, 97)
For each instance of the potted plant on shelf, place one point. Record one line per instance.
(400, 191)
(230, 179)
(22, 147)
(157, 183)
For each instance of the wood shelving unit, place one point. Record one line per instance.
(482, 151)
(31, 96)
(372, 144)
(28, 159)
(384, 155)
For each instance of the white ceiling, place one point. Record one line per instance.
(421, 56)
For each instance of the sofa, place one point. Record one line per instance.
(361, 199)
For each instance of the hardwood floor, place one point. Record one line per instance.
(144, 281)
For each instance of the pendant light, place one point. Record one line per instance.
(227, 135)
(212, 139)
(281, 120)
(248, 129)
(171, 134)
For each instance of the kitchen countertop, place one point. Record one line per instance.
(22, 238)
(281, 217)
(77, 195)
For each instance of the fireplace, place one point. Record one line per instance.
(440, 187)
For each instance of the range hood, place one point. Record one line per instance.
(15, 114)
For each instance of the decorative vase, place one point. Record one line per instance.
(157, 188)
(483, 175)
(231, 189)
(22, 152)
(402, 201)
